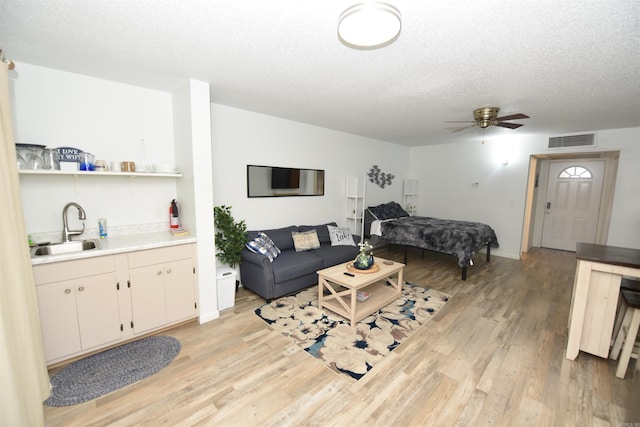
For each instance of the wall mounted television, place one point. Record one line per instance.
(278, 181)
(285, 178)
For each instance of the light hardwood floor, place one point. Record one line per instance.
(494, 355)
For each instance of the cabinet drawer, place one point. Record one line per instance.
(160, 255)
(67, 270)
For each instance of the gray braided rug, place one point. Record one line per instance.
(110, 370)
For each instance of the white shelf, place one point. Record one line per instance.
(410, 196)
(93, 173)
(354, 213)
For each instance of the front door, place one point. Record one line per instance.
(573, 203)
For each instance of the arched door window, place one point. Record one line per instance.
(575, 172)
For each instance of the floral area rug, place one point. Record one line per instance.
(329, 337)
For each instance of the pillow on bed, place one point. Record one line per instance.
(391, 210)
(262, 244)
(400, 212)
(376, 211)
(340, 236)
(369, 216)
(370, 213)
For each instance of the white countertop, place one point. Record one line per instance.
(118, 244)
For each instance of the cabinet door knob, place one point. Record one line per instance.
(169, 271)
(67, 291)
(81, 288)
(159, 273)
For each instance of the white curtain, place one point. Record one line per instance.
(24, 380)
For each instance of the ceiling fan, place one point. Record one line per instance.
(488, 116)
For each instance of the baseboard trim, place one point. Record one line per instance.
(207, 317)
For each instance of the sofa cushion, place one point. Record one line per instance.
(292, 264)
(340, 236)
(332, 255)
(262, 244)
(322, 230)
(280, 236)
(306, 240)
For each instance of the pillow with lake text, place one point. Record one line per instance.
(340, 236)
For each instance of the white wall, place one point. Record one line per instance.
(106, 118)
(57, 108)
(625, 218)
(446, 173)
(192, 121)
(242, 137)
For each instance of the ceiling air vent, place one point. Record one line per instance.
(588, 140)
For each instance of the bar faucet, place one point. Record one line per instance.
(66, 233)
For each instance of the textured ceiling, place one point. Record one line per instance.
(571, 65)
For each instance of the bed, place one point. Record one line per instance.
(389, 223)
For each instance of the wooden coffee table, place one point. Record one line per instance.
(343, 289)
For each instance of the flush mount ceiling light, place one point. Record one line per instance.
(369, 25)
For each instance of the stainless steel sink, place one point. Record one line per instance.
(64, 248)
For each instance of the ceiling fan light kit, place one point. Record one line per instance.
(369, 25)
(488, 116)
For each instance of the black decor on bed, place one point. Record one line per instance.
(458, 238)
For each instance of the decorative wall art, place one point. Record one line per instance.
(378, 177)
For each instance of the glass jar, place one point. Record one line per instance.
(51, 159)
(87, 162)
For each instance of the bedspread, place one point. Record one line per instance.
(459, 238)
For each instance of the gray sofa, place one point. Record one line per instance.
(291, 271)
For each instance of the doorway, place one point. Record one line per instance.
(536, 198)
(572, 203)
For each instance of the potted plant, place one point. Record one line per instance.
(230, 235)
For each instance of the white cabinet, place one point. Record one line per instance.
(180, 289)
(355, 205)
(58, 319)
(410, 196)
(98, 310)
(147, 298)
(95, 302)
(79, 306)
(162, 286)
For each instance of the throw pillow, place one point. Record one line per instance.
(262, 244)
(340, 236)
(398, 211)
(306, 240)
(391, 210)
(370, 214)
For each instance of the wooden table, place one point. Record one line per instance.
(342, 289)
(595, 296)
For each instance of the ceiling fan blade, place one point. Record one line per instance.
(513, 117)
(508, 125)
(463, 128)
